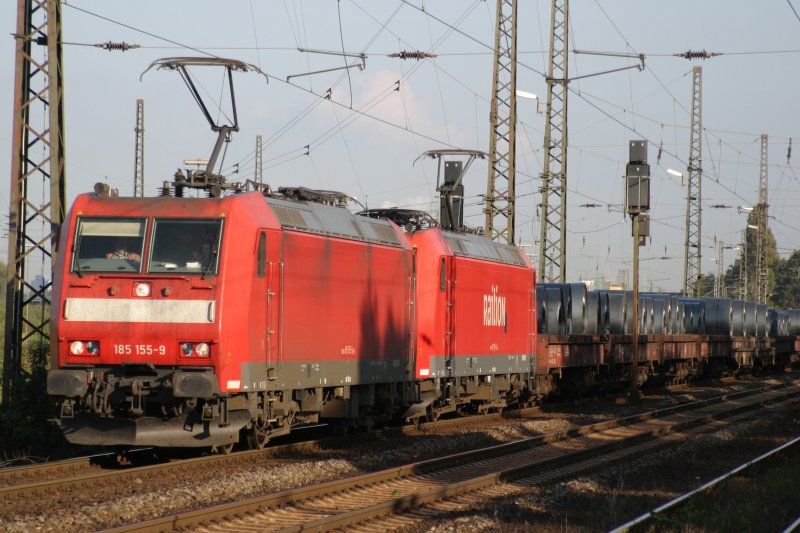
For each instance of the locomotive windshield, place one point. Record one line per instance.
(187, 246)
(108, 245)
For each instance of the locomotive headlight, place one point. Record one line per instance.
(187, 349)
(201, 349)
(76, 347)
(84, 348)
(141, 289)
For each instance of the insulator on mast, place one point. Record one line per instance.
(116, 46)
(405, 54)
(700, 54)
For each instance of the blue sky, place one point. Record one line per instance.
(445, 102)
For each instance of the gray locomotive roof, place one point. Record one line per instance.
(322, 219)
(481, 247)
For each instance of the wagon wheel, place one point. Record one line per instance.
(257, 436)
(431, 414)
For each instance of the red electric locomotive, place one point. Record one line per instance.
(476, 317)
(196, 321)
(180, 322)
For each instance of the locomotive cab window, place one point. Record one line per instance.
(185, 246)
(108, 245)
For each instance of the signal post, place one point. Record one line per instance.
(637, 205)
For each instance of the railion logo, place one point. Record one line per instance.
(494, 309)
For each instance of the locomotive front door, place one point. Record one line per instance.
(257, 313)
(450, 316)
(274, 306)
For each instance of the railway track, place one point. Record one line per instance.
(77, 466)
(391, 492)
(19, 475)
(663, 511)
(22, 481)
(18, 483)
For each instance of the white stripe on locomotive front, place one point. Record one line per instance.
(139, 310)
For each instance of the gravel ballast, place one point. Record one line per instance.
(584, 503)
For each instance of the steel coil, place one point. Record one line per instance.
(577, 307)
(541, 309)
(659, 315)
(629, 312)
(686, 327)
(592, 313)
(773, 321)
(783, 323)
(556, 317)
(749, 319)
(676, 320)
(761, 320)
(679, 317)
(794, 322)
(738, 318)
(719, 316)
(616, 312)
(604, 314)
(645, 315)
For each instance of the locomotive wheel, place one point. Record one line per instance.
(257, 437)
(431, 414)
(222, 449)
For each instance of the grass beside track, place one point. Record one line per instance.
(762, 498)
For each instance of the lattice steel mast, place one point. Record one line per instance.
(37, 171)
(762, 221)
(138, 168)
(692, 246)
(259, 170)
(552, 238)
(743, 267)
(720, 291)
(500, 194)
(718, 283)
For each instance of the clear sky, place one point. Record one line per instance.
(444, 102)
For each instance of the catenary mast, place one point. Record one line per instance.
(38, 180)
(500, 195)
(552, 239)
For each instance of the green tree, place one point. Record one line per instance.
(24, 429)
(750, 248)
(706, 285)
(786, 273)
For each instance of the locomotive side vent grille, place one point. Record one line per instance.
(481, 248)
(384, 234)
(335, 222)
(291, 217)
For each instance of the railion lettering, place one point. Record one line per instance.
(494, 309)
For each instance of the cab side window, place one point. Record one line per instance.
(261, 255)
